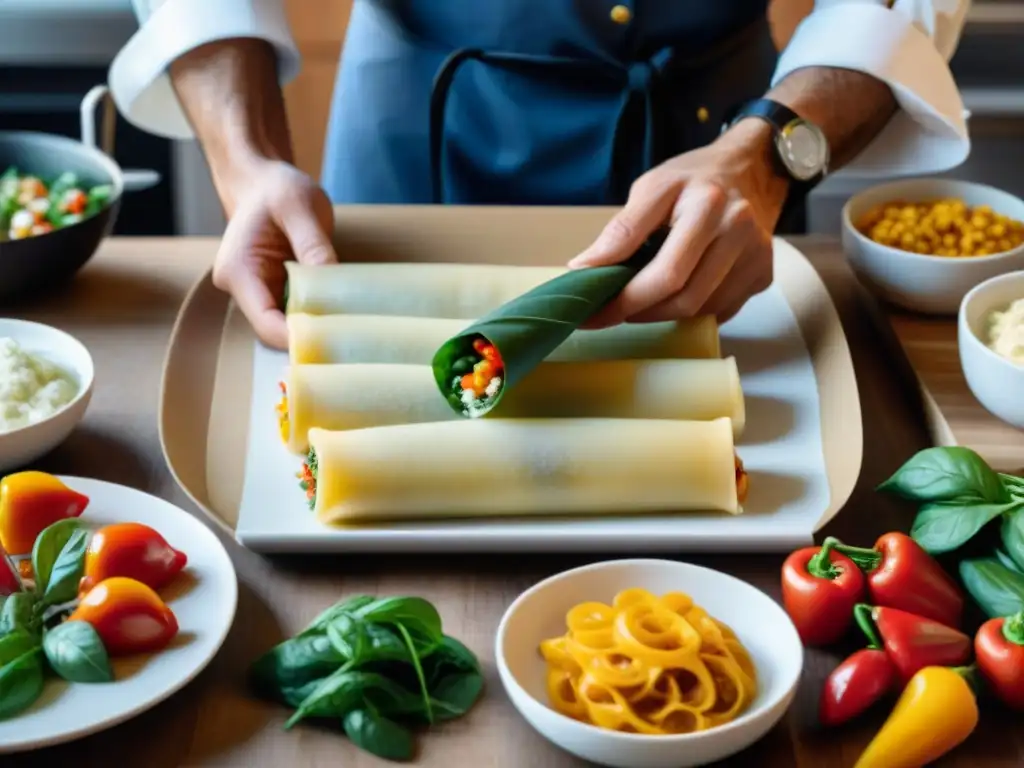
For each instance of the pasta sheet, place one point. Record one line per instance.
(394, 339)
(495, 467)
(464, 291)
(340, 397)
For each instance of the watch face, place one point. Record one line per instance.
(804, 150)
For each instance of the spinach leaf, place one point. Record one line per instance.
(1014, 484)
(76, 653)
(997, 589)
(15, 644)
(19, 613)
(21, 683)
(417, 615)
(334, 695)
(947, 474)
(454, 695)
(319, 624)
(1013, 534)
(364, 642)
(378, 735)
(67, 570)
(449, 656)
(420, 677)
(295, 663)
(943, 526)
(47, 549)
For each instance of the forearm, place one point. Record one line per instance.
(230, 93)
(851, 108)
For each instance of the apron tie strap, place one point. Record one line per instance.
(638, 81)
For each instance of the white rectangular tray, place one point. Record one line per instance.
(802, 446)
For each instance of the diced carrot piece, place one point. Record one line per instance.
(467, 381)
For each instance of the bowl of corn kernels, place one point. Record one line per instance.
(922, 244)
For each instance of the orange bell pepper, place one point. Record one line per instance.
(133, 550)
(31, 501)
(128, 616)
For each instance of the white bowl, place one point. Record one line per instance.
(759, 622)
(995, 381)
(929, 284)
(26, 444)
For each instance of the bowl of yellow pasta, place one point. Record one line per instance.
(648, 663)
(922, 244)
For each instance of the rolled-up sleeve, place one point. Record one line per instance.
(168, 29)
(908, 47)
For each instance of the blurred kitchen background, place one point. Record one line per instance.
(53, 51)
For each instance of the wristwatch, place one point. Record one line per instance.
(800, 149)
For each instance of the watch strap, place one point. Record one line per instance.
(778, 116)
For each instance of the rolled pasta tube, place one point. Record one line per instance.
(366, 395)
(503, 467)
(394, 339)
(464, 291)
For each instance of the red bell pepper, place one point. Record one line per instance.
(856, 684)
(912, 642)
(999, 652)
(128, 616)
(133, 550)
(900, 574)
(820, 587)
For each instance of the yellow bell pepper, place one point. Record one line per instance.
(936, 712)
(31, 502)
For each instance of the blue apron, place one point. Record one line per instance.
(544, 102)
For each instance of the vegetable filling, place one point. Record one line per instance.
(477, 377)
(307, 477)
(742, 481)
(283, 420)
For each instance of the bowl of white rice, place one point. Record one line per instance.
(46, 382)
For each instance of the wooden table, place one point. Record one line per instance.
(122, 306)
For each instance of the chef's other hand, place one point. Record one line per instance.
(722, 202)
(280, 213)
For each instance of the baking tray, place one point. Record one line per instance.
(207, 389)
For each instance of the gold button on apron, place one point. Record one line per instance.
(702, 114)
(621, 14)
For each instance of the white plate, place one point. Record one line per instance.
(782, 449)
(203, 598)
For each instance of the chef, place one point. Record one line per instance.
(679, 111)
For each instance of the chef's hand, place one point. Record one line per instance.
(280, 213)
(722, 202)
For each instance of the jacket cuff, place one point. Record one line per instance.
(138, 77)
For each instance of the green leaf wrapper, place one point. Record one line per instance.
(529, 328)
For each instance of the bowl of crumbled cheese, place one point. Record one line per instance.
(991, 340)
(46, 381)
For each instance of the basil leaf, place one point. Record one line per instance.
(19, 613)
(21, 683)
(947, 474)
(76, 653)
(47, 549)
(1006, 560)
(417, 615)
(319, 624)
(293, 664)
(15, 644)
(1014, 484)
(1013, 534)
(997, 589)
(67, 570)
(378, 735)
(943, 526)
(454, 695)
